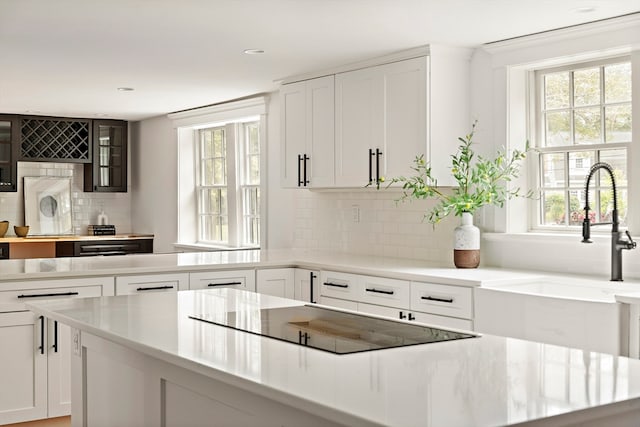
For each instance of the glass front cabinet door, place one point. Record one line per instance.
(9, 150)
(108, 171)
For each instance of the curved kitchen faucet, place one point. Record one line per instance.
(617, 243)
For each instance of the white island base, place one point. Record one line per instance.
(139, 360)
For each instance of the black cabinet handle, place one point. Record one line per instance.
(402, 315)
(154, 288)
(41, 348)
(412, 317)
(378, 154)
(336, 285)
(304, 163)
(299, 170)
(379, 291)
(55, 336)
(303, 338)
(448, 300)
(311, 277)
(211, 285)
(60, 294)
(370, 166)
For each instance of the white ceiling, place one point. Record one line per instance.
(68, 57)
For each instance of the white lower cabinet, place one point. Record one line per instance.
(430, 303)
(238, 279)
(306, 285)
(278, 282)
(35, 359)
(171, 282)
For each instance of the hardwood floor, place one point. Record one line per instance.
(50, 422)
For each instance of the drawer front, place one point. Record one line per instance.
(127, 285)
(239, 279)
(13, 295)
(339, 285)
(387, 292)
(339, 303)
(445, 300)
(379, 310)
(443, 321)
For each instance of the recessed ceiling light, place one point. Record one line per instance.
(126, 89)
(253, 51)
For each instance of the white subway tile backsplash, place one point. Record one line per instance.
(326, 221)
(85, 206)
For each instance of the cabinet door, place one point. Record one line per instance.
(359, 121)
(405, 116)
(108, 171)
(58, 369)
(9, 152)
(293, 124)
(277, 282)
(23, 367)
(306, 286)
(320, 136)
(239, 279)
(152, 283)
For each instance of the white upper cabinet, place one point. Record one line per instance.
(387, 113)
(307, 126)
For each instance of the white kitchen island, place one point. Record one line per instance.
(139, 360)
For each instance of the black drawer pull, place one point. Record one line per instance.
(55, 336)
(336, 285)
(61, 294)
(379, 291)
(41, 348)
(449, 300)
(224, 284)
(154, 288)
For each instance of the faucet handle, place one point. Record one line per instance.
(631, 244)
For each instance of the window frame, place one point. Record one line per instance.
(538, 132)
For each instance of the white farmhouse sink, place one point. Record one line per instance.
(556, 310)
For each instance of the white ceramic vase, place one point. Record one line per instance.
(466, 243)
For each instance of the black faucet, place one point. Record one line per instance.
(617, 243)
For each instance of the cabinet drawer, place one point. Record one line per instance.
(239, 279)
(126, 285)
(387, 292)
(13, 295)
(339, 303)
(443, 321)
(339, 285)
(445, 300)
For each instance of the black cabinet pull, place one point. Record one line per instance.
(402, 315)
(370, 166)
(303, 338)
(378, 154)
(60, 294)
(311, 277)
(412, 317)
(154, 288)
(299, 170)
(41, 348)
(55, 336)
(336, 285)
(379, 291)
(304, 160)
(448, 300)
(211, 285)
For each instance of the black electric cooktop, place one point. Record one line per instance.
(330, 330)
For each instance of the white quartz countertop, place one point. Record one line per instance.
(485, 381)
(25, 269)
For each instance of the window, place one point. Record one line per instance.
(228, 189)
(583, 117)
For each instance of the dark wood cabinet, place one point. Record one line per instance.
(104, 247)
(4, 251)
(55, 139)
(9, 151)
(108, 170)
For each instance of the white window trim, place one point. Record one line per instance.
(184, 123)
